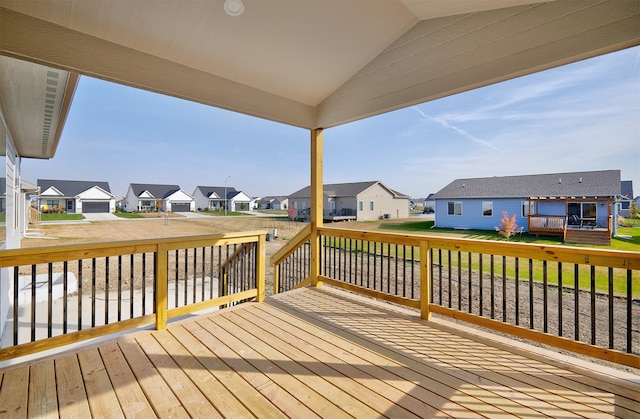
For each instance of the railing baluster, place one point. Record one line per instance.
(576, 304)
(119, 287)
(49, 299)
(16, 306)
(470, 271)
(545, 297)
(481, 277)
(80, 282)
(131, 285)
(593, 305)
(504, 289)
(65, 296)
(611, 308)
(33, 302)
(106, 291)
(93, 292)
(459, 280)
(629, 311)
(517, 286)
(440, 276)
(144, 280)
(449, 276)
(531, 299)
(560, 303)
(492, 283)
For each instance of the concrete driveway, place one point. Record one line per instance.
(101, 216)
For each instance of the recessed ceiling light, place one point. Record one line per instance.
(234, 7)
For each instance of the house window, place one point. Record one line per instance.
(529, 208)
(295, 204)
(52, 204)
(69, 205)
(487, 208)
(454, 208)
(371, 205)
(581, 213)
(360, 206)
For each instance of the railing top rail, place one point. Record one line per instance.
(569, 254)
(36, 255)
(302, 236)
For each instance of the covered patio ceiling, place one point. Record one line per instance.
(311, 63)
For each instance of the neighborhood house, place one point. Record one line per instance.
(148, 198)
(75, 196)
(357, 201)
(213, 199)
(578, 206)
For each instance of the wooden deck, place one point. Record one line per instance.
(313, 353)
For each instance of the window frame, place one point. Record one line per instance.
(490, 210)
(454, 204)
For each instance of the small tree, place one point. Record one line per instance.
(293, 213)
(508, 226)
(634, 211)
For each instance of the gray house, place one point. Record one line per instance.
(75, 196)
(578, 206)
(143, 197)
(354, 201)
(213, 198)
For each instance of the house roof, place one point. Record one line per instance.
(345, 189)
(157, 191)
(71, 187)
(574, 184)
(218, 190)
(312, 63)
(626, 188)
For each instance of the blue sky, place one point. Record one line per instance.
(579, 117)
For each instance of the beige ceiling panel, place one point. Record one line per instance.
(438, 8)
(455, 48)
(493, 53)
(300, 50)
(26, 37)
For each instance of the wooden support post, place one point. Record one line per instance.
(425, 280)
(161, 286)
(261, 267)
(316, 203)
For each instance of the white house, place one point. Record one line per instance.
(354, 201)
(213, 198)
(274, 202)
(149, 197)
(75, 196)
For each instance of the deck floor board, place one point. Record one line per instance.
(314, 353)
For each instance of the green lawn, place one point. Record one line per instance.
(128, 215)
(222, 214)
(60, 216)
(628, 240)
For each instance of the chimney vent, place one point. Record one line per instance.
(559, 180)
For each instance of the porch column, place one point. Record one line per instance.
(316, 203)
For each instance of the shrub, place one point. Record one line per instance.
(508, 226)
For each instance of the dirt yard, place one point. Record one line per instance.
(161, 227)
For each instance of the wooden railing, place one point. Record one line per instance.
(35, 216)
(65, 294)
(547, 224)
(582, 300)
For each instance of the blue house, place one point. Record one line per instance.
(577, 206)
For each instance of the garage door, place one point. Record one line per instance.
(92, 207)
(180, 207)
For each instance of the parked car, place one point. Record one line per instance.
(428, 210)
